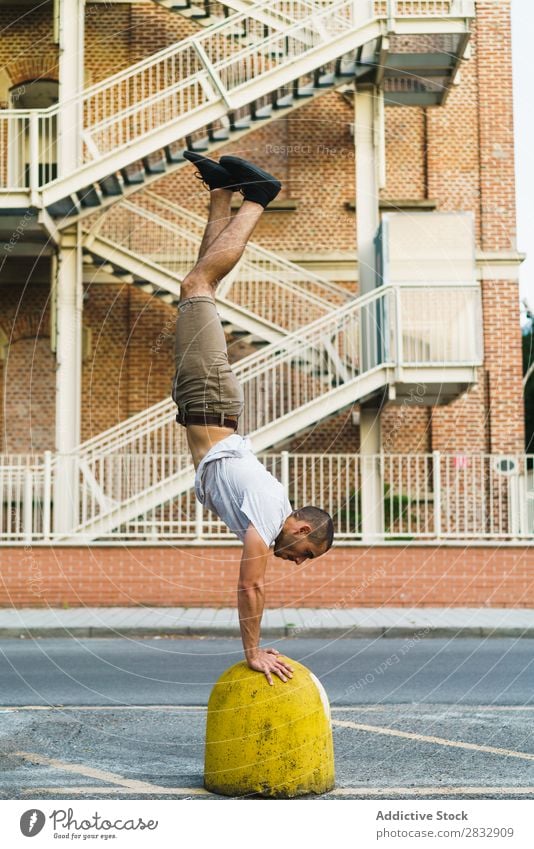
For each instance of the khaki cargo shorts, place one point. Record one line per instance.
(203, 381)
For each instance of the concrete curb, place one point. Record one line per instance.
(327, 632)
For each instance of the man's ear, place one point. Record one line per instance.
(304, 529)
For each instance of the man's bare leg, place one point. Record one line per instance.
(221, 248)
(219, 216)
(219, 254)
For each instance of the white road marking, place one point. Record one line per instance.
(103, 707)
(429, 707)
(439, 741)
(162, 791)
(91, 772)
(427, 791)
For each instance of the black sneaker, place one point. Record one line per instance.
(213, 175)
(255, 185)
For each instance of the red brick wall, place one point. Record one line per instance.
(502, 345)
(497, 186)
(406, 152)
(28, 374)
(417, 576)
(27, 51)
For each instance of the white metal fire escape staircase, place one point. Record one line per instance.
(210, 88)
(208, 12)
(143, 462)
(152, 243)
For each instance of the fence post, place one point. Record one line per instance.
(34, 155)
(436, 473)
(391, 4)
(27, 506)
(47, 493)
(199, 520)
(284, 471)
(398, 328)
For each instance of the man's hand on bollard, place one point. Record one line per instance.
(267, 661)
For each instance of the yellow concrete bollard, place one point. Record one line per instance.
(268, 740)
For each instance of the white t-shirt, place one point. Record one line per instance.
(232, 483)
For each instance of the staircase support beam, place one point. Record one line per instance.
(68, 302)
(372, 497)
(71, 83)
(367, 127)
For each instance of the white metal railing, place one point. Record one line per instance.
(154, 229)
(437, 323)
(25, 496)
(312, 347)
(182, 79)
(286, 377)
(330, 346)
(436, 496)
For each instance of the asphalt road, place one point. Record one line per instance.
(411, 718)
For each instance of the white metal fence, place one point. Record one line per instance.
(436, 497)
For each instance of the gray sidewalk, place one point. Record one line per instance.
(305, 622)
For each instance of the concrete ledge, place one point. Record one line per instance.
(276, 205)
(404, 204)
(320, 622)
(326, 633)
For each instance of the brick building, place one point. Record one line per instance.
(391, 129)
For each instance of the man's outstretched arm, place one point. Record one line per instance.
(250, 602)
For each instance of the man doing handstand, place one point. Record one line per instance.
(229, 479)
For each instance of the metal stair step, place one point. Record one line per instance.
(261, 112)
(89, 196)
(103, 265)
(346, 71)
(303, 91)
(64, 207)
(283, 102)
(111, 186)
(325, 80)
(174, 156)
(145, 287)
(198, 145)
(220, 134)
(201, 10)
(232, 329)
(172, 5)
(157, 166)
(125, 276)
(189, 10)
(133, 177)
(240, 333)
(257, 341)
(242, 123)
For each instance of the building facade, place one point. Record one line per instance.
(390, 125)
